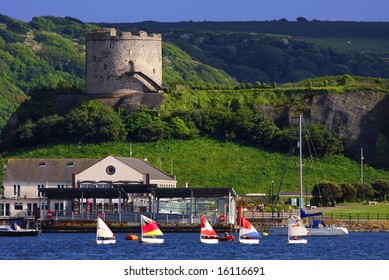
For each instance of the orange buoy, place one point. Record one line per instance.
(131, 237)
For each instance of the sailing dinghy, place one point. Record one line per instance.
(207, 233)
(103, 233)
(296, 229)
(247, 233)
(150, 231)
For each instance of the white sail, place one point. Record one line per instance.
(296, 227)
(247, 233)
(103, 230)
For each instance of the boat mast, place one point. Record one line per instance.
(301, 164)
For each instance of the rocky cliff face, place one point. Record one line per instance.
(360, 118)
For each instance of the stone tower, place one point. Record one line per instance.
(125, 64)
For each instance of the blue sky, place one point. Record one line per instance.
(198, 10)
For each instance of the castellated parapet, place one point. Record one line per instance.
(123, 64)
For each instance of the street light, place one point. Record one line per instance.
(272, 202)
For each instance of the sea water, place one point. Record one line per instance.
(186, 246)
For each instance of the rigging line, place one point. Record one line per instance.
(310, 143)
(284, 170)
(355, 111)
(310, 159)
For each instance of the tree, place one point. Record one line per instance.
(382, 188)
(135, 121)
(349, 193)
(321, 141)
(325, 193)
(364, 191)
(94, 122)
(301, 19)
(50, 129)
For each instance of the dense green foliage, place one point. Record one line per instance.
(180, 68)
(243, 50)
(226, 115)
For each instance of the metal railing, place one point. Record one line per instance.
(256, 215)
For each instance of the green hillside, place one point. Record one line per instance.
(364, 36)
(210, 163)
(47, 54)
(279, 51)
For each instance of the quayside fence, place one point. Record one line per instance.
(256, 215)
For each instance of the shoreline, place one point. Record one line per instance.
(262, 226)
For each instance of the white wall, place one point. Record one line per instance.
(98, 172)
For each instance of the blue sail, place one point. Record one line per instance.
(304, 214)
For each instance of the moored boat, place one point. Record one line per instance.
(8, 230)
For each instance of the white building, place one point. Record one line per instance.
(23, 179)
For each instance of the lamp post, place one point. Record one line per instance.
(362, 158)
(272, 202)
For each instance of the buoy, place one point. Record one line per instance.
(131, 237)
(265, 234)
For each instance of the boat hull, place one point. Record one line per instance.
(105, 241)
(149, 240)
(8, 231)
(227, 238)
(209, 240)
(20, 233)
(325, 231)
(297, 241)
(248, 241)
(329, 231)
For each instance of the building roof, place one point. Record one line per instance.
(145, 168)
(45, 169)
(62, 170)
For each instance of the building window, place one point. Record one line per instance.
(18, 206)
(103, 186)
(17, 190)
(110, 170)
(86, 185)
(131, 66)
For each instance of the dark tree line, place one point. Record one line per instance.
(329, 193)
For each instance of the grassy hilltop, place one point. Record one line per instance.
(210, 163)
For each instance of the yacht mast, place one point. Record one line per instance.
(301, 164)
